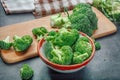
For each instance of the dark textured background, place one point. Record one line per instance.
(104, 66)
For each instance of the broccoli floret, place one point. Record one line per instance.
(83, 19)
(97, 45)
(5, 44)
(26, 72)
(84, 38)
(66, 37)
(50, 36)
(22, 43)
(47, 48)
(39, 32)
(111, 8)
(62, 56)
(56, 21)
(83, 47)
(79, 58)
(81, 6)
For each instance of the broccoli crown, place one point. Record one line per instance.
(62, 56)
(22, 43)
(97, 45)
(83, 19)
(39, 32)
(26, 72)
(83, 47)
(66, 37)
(5, 44)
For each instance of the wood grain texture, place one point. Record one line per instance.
(105, 27)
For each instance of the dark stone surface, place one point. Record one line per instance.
(104, 66)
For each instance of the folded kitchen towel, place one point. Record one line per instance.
(47, 7)
(18, 6)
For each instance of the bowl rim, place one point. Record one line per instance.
(67, 67)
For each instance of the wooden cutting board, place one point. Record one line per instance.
(105, 27)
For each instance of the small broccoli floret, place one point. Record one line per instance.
(62, 56)
(83, 19)
(39, 32)
(5, 44)
(66, 37)
(56, 21)
(79, 58)
(22, 43)
(97, 45)
(51, 36)
(26, 72)
(83, 47)
(84, 38)
(48, 47)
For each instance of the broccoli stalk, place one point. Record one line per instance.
(39, 32)
(79, 58)
(22, 43)
(5, 44)
(26, 72)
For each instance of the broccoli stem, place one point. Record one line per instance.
(7, 39)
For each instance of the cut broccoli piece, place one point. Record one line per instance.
(62, 56)
(56, 21)
(66, 37)
(79, 58)
(97, 45)
(51, 36)
(22, 43)
(39, 32)
(26, 72)
(5, 44)
(83, 47)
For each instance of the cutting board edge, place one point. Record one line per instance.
(11, 61)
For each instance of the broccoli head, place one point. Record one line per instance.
(5, 44)
(22, 43)
(62, 56)
(79, 58)
(83, 19)
(83, 47)
(66, 37)
(26, 72)
(39, 32)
